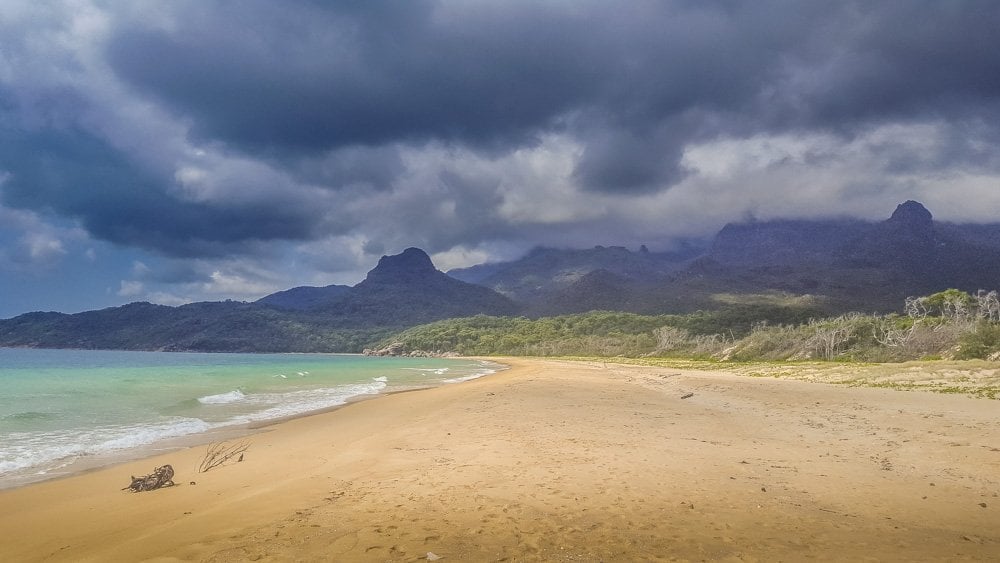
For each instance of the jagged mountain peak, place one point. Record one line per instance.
(409, 264)
(909, 231)
(406, 289)
(911, 213)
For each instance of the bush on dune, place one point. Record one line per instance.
(948, 324)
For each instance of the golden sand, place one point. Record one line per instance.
(560, 461)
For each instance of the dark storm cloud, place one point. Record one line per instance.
(270, 77)
(74, 174)
(633, 160)
(333, 94)
(902, 60)
(622, 77)
(367, 167)
(490, 76)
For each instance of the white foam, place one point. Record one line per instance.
(51, 450)
(223, 398)
(486, 369)
(308, 400)
(436, 371)
(464, 378)
(142, 434)
(45, 452)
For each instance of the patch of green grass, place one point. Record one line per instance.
(988, 392)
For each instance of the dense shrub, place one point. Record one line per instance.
(947, 324)
(983, 342)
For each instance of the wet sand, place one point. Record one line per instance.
(560, 461)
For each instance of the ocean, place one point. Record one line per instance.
(62, 411)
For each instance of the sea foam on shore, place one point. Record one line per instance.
(62, 409)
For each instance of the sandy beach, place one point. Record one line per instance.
(560, 461)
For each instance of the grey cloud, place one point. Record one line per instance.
(331, 94)
(311, 77)
(349, 76)
(77, 175)
(895, 60)
(174, 272)
(452, 207)
(476, 200)
(374, 168)
(632, 161)
(373, 248)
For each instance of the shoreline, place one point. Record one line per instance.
(96, 462)
(559, 460)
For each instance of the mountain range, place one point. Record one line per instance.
(401, 291)
(836, 265)
(842, 264)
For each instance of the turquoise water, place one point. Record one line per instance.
(58, 407)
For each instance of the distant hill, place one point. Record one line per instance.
(599, 290)
(923, 256)
(784, 242)
(859, 265)
(544, 272)
(305, 297)
(211, 326)
(403, 290)
(827, 266)
(843, 264)
(406, 289)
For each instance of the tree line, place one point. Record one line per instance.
(949, 324)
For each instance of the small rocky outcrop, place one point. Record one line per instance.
(398, 349)
(394, 349)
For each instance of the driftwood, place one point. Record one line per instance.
(221, 452)
(160, 477)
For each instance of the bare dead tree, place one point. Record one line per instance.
(220, 452)
(987, 305)
(829, 338)
(916, 307)
(829, 341)
(886, 333)
(670, 338)
(957, 309)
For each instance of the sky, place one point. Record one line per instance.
(207, 150)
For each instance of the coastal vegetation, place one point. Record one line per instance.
(948, 324)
